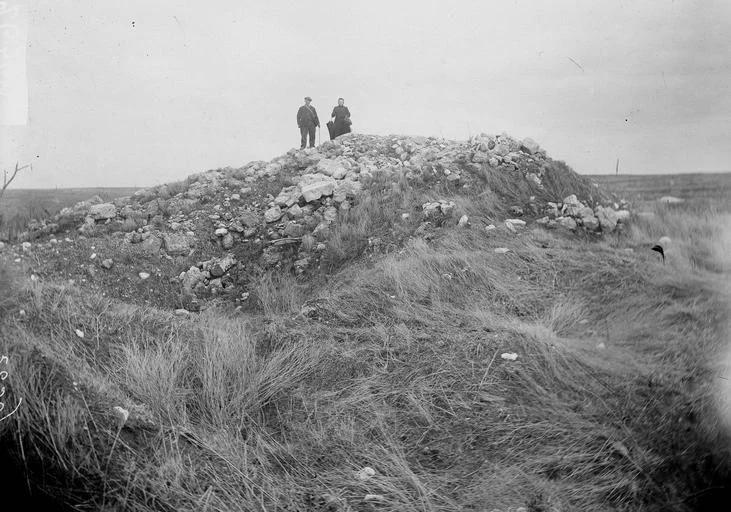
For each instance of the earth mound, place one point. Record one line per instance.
(308, 211)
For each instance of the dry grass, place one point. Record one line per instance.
(396, 366)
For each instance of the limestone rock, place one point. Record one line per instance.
(176, 244)
(151, 244)
(514, 224)
(273, 214)
(590, 222)
(334, 168)
(607, 218)
(530, 146)
(288, 196)
(103, 211)
(227, 242)
(314, 186)
(566, 222)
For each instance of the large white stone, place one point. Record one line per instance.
(334, 168)
(607, 218)
(316, 190)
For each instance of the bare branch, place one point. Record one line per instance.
(7, 182)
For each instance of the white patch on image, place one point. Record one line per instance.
(13, 77)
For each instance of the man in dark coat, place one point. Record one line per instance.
(307, 121)
(341, 116)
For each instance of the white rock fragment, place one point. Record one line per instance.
(514, 224)
(365, 474)
(121, 413)
(143, 275)
(501, 250)
(463, 221)
(509, 356)
(79, 333)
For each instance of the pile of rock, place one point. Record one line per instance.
(572, 214)
(209, 277)
(241, 210)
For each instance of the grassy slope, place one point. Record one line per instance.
(394, 362)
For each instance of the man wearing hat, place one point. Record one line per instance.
(307, 121)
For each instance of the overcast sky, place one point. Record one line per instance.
(137, 93)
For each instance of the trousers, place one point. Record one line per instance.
(305, 131)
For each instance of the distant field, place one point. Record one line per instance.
(44, 202)
(648, 187)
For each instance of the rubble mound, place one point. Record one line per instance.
(282, 213)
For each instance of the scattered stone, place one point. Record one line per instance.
(590, 222)
(79, 333)
(514, 224)
(121, 414)
(103, 211)
(107, 263)
(144, 275)
(567, 222)
(220, 232)
(463, 221)
(490, 227)
(365, 474)
(509, 356)
(26, 246)
(176, 244)
(438, 208)
(501, 250)
(182, 312)
(607, 218)
(227, 242)
(151, 244)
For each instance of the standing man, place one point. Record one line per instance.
(307, 121)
